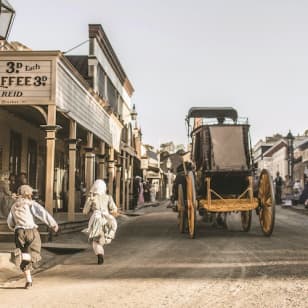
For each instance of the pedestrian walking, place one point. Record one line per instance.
(303, 199)
(141, 193)
(278, 188)
(146, 191)
(27, 237)
(152, 193)
(288, 188)
(297, 191)
(135, 192)
(102, 225)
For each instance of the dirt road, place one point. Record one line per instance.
(151, 265)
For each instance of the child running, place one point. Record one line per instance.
(102, 225)
(27, 237)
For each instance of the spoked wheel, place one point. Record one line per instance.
(191, 204)
(181, 209)
(246, 220)
(266, 203)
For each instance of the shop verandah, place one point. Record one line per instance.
(62, 139)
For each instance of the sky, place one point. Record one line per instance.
(246, 54)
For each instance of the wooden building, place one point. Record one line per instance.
(67, 120)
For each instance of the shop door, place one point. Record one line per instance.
(15, 153)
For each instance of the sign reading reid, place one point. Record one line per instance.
(25, 82)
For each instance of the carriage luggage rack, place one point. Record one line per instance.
(239, 121)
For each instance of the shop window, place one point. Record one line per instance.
(112, 96)
(101, 81)
(15, 153)
(32, 162)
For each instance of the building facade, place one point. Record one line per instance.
(275, 157)
(66, 121)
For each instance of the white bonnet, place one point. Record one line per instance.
(99, 187)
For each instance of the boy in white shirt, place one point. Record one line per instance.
(27, 237)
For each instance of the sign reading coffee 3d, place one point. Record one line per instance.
(25, 82)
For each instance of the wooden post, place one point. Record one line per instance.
(71, 171)
(101, 161)
(124, 181)
(118, 187)
(128, 181)
(50, 129)
(208, 188)
(110, 171)
(250, 188)
(89, 162)
(127, 194)
(131, 188)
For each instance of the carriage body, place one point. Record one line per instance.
(222, 178)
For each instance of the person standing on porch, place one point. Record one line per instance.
(102, 224)
(27, 237)
(7, 198)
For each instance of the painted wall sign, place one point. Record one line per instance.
(25, 82)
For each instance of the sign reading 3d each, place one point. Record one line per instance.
(25, 82)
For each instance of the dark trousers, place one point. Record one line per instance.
(28, 241)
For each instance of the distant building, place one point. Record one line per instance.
(301, 161)
(170, 147)
(167, 147)
(150, 166)
(272, 154)
(275, 159)
(258, 153)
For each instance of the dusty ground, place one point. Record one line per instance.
(151, 265)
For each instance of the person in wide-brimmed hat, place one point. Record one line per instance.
(27, 237)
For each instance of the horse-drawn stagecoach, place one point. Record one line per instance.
(219, 176)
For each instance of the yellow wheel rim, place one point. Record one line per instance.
(267, 203)
(191, 200)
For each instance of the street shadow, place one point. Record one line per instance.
(203, 230)
(298, 271)
(12, 288)
(64, 251)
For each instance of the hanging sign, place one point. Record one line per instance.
(25, 82)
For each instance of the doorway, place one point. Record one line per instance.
(15, 153)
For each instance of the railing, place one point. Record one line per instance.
(240, 121)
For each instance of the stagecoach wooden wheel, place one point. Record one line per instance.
(181, 209)
(246, 220)
(191, 204)
(266, 203)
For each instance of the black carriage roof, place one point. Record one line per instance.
(213, 112)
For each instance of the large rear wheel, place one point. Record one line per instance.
(191, 204)
(267, 203)
(181, 209)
